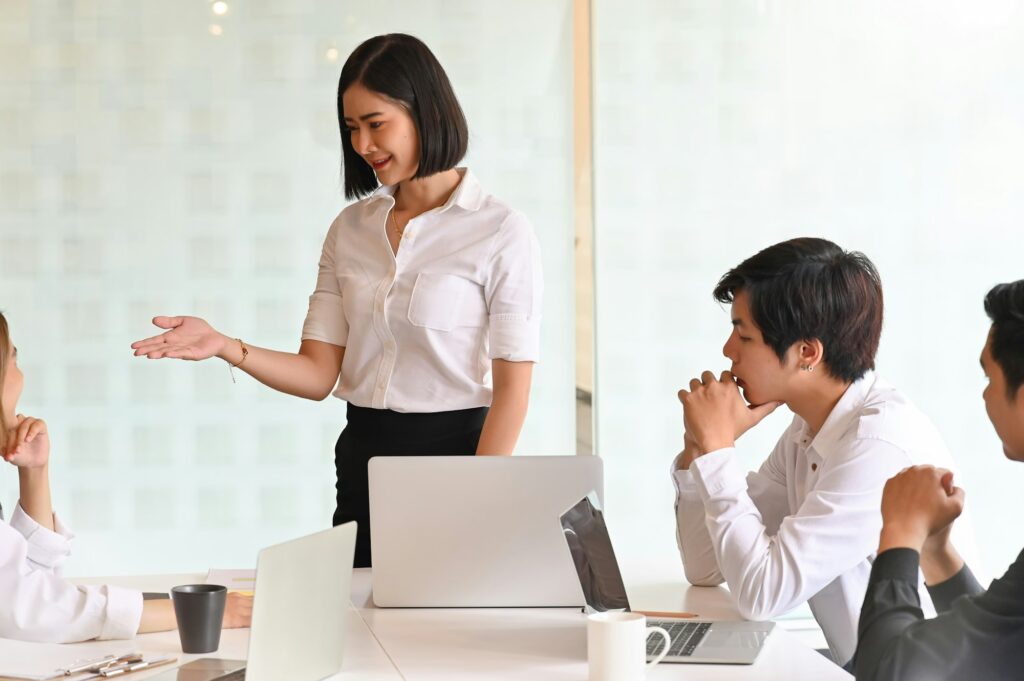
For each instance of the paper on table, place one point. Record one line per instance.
(234, 580)
(38, 661)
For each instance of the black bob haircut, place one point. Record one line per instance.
(1004, 305)
(403, 69)
(808, 288)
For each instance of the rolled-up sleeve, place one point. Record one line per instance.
(514, 293)
(47, 549)
(325, 319)
(39, 605)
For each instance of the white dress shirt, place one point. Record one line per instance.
(420, 328)
(805, 526)
(36, 604)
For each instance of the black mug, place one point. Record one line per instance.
(199, 609)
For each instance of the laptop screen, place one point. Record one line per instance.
(587, 536)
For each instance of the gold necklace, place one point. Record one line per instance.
(394, 221)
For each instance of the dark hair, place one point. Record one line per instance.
(1004, 305)
(403, 69)
(807, 288)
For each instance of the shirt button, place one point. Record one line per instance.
(814, 466)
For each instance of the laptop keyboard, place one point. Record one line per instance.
(686, 636)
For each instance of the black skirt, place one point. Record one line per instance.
(382, 432)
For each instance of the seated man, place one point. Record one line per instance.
(979, 636)
(806, 317)
(36, 604)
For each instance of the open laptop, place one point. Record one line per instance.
(693, 641)
(475, 531)
(298, 619)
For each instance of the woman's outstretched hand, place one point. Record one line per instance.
(188, 338)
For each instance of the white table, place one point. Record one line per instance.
(496, 644)
(365, 660)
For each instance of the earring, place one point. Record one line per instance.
(806, 367)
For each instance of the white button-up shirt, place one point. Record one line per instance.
(805, 526)
(36, 604)
(419, 328)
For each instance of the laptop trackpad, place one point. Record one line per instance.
(733, 639)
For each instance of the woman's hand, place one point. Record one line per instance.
(189, 338)
(158, 615)
(27, 445)
(237, 611)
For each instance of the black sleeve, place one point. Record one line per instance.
(978, 638)
(891, 604)
(962, 583)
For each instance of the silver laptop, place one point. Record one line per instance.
(298, 620)
(475, 531)
(695, 641)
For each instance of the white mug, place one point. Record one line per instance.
(617, 646)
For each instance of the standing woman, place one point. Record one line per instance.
(428, 298)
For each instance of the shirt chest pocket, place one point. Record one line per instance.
(444, 301)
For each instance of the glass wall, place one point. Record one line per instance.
(722, 127)
(160, 158)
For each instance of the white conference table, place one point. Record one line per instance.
(364, 658)
(497, 644)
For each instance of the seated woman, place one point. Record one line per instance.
(36, 604)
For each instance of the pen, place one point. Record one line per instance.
(123, 661)
(96, 664)
(87, 664)
(666, 615)
(129, 668)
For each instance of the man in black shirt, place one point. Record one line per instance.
(978, 635)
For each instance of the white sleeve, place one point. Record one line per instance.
(514, 292)
(47, 549)
(695, 548)
(767, 490)
(325, 319)
(835, 528)
(38, 605)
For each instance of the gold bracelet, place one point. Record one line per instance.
(231, 367)
(245, 353)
